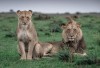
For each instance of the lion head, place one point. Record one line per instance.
(71, 31)
(24, 17)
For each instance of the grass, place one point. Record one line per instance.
(9, 57)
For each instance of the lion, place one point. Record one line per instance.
(47, 49)
(72, 36)
(26, 34)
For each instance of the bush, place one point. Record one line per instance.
(89, 26)
(5, 28)
(55, 26)
(10, 34)
(98, 41)
(90, 59)
(41, 29)
(88, 16)
(42, 17)
(65, 55)
(78, 13)
(48, 34)
(77, 59)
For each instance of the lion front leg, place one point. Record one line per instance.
(72, 51)
(48, 55)
(37, 52)
(30, 50)
(22, 50)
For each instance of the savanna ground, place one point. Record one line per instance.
(48, 29)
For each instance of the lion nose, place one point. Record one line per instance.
(71, 35)
(24, 23)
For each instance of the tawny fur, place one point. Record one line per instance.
(26, 34)
(72, 35)
(47, 49)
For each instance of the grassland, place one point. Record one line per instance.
(48, 30)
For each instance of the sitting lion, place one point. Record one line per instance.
(26, 34)
(72, 35)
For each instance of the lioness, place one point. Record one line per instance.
(46, 49)
(72, 35)
(26, 34)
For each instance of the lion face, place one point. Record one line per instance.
(24, 17)
(71, 31)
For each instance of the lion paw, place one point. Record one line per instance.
(23, 58)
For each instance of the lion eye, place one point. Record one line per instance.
(68, 30)
(74, 29)
(27, 17)
(22, 17)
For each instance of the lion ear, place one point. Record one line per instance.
(78, 25)
(63, 26)
(31, 11)
(18, 12)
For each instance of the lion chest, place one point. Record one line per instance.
(24, 35)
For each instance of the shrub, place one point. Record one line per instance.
(65, 55)
(10, 34)
(77, 59)
(98, 41)
(55, 26)
(91, 48)
(78, 13)
(88, 16)
(5, 28)
(48, 34)
(42, 17)
(89, 26)
(75, 16)
(41, 29)
(90, 59)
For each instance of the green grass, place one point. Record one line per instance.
(9, 57)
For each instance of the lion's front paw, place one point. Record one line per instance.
(23, 58)
(36, 58)
(29, 58)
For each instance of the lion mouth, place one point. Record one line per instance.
(71, 39)
(24, 24)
